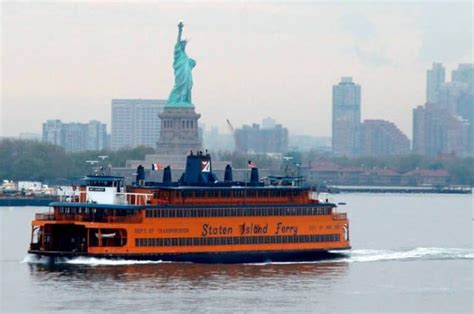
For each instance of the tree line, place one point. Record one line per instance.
(39, 161)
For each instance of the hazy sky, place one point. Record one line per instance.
(66, 61)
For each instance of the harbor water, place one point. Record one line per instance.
(411, 253)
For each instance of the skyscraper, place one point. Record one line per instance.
(135, 122)
(434, 79)
(346, 118)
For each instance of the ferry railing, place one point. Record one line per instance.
(137, 198)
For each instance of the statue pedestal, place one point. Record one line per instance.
(179, 133)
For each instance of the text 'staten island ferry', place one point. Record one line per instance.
(197, 218)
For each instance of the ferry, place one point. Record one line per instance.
(194, 219)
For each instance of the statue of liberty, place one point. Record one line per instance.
(183, 80)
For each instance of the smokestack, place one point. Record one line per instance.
(254, 176)
(140, 178)
(167, 175)
(228, 174)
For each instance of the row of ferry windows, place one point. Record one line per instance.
(237, 212)
(313, 238)
(237, 193)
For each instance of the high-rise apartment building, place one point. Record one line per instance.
(75, 137)
(52, 132)
(383, 138)
(135, 122)
(437, 132)
(434, 79)
(445, 125)
(96, 136)
(464, 74)
(346, 118)
(262, 140)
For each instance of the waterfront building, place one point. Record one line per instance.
(254, 139)
(75, 137)
(383, 138)
(346, 118)
(435, 77)
(136, 122)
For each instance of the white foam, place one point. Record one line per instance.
(34, 259)
(369, 255)
(421, 253)
(92, 261)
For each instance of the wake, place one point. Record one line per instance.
(421, 253)
(351, 256)
(88, 261)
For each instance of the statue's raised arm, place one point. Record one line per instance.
(180, 31)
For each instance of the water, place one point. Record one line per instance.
(411, 253)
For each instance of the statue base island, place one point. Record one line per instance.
(179, 133)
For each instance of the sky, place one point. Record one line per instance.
(68, 60)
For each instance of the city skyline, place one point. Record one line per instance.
(260, 60)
